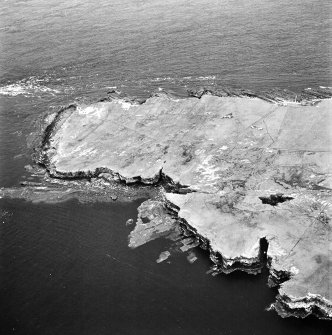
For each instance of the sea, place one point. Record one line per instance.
(65, 268)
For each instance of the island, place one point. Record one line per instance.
(246, 176)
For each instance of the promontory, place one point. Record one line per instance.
(248, 176)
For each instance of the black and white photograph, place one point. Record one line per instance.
(165, 167)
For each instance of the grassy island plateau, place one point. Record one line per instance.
(246, 177)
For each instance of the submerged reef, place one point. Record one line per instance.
(246, 176)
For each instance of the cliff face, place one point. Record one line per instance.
(239, 171)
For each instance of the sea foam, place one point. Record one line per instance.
(28, 87)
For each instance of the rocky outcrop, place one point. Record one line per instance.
(153, 222)
(55, 190)
(308, 96)
(238, 169)
(302, 307)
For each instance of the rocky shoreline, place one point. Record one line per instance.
(245, 175)
(284, 305)
(308, 96)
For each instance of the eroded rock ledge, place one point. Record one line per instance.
(220, 155)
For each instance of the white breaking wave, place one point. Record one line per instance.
(162, 79)
(206, 78)
(27, 88)
(124, 104)
(189, 78)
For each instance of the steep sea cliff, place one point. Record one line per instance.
(242, 174)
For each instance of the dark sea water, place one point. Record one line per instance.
(66, 268)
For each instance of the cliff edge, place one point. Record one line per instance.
(240, 172)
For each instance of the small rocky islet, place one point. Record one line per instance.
(246, 176)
